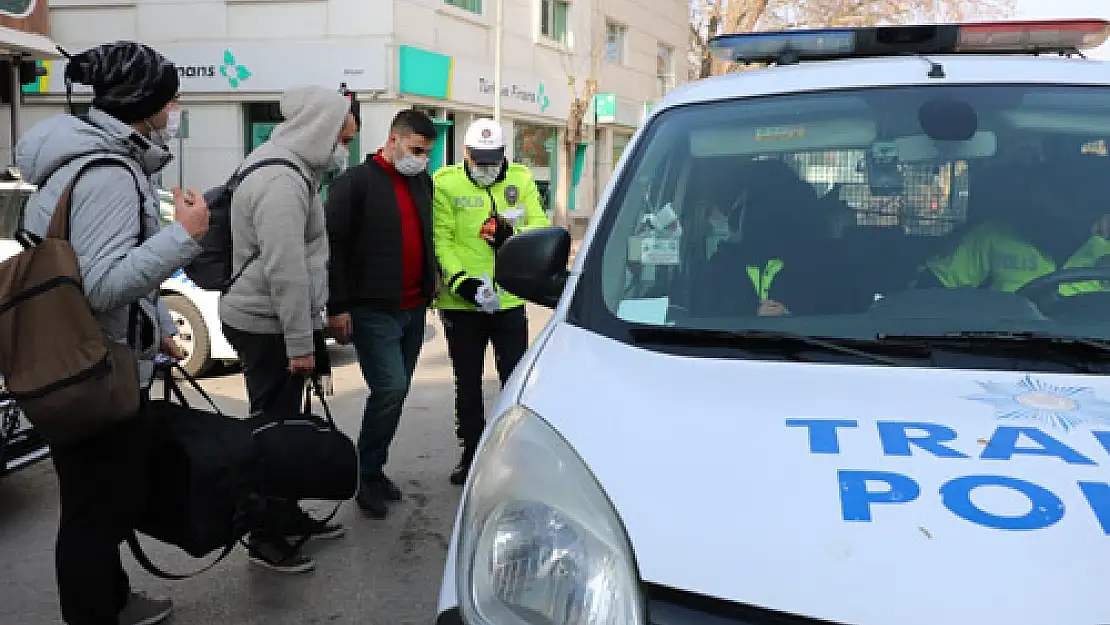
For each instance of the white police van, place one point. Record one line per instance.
(898, 417)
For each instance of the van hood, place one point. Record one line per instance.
(854, 494)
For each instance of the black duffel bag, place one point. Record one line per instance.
(305, 456)
(206, 481)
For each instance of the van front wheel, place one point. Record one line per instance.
(192, 334)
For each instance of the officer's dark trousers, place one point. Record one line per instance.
(468, 334)
(103, 482)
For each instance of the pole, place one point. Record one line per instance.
(499, 35)
(597, 157)
(180, 161)
(17, 96)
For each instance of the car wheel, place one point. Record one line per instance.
(192, 334)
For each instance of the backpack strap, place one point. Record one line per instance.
(59, 227)
(233, 183)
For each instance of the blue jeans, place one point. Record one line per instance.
(388, 343)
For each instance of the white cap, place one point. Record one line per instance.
(485, 141)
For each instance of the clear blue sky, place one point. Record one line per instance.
(1036, 9)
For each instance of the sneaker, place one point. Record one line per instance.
(371, 498)
(142, 609)
(275, 556)
(462, 469)
(392, 491)
(302, 525)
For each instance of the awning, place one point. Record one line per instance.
(28, 45)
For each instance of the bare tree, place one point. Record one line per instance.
(588, 28)
(711, 17)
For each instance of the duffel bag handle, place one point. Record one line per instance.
(315, 388)
(169, 384)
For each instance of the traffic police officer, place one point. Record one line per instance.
(478, 204)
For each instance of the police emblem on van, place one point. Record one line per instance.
(1063, 407)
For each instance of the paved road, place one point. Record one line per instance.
(383, 572)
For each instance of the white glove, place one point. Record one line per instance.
(487, 297)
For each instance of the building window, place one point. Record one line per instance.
(664, 68)
(615, 38)
(620, 142)
(534, 146)
(474, 6)
(554, 17)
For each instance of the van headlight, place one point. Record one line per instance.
(539, 542)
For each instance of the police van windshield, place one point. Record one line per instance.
(866, 213)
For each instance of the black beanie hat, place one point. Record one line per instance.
(130, 80)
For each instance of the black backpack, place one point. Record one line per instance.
(211, 269)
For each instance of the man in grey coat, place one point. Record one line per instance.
(124, 255)
(273, 314)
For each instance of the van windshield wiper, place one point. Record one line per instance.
(747, 339)
(983, 338)
(1002, 335)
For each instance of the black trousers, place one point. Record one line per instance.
(270, 385)
(468, 333)
(103, 483)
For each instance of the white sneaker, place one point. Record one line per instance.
(142, 609)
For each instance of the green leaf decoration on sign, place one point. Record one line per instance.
(223, 70)
(229, 58)
(242, 73)
(234, 82)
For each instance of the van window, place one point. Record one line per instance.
(855, 214)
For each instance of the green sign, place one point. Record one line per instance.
(543, 99)
(232, 71)
(424, 73)
(17, 8)
(605, 108)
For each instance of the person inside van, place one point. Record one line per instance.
(777, 257)
(1041, 234)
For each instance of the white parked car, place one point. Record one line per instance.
(194, 310)
(902, 419)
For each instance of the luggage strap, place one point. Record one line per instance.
(169, 386)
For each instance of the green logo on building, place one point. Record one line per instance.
(544, 100)
(232, 71)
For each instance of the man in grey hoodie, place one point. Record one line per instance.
(124, 255)
(273, 314)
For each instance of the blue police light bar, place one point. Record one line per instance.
(1017, 37)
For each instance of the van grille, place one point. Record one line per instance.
(667, 606)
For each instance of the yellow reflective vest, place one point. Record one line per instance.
(995, 256)
(460, 207)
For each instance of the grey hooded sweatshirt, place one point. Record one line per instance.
(277, 215)
(104, 219)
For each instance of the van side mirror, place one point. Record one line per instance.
(533, 265)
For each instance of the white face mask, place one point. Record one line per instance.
(163, 136)
(339, 157)
(485, 175)
(409, 165)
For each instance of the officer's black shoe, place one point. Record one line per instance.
(458, 476)
(371, 498)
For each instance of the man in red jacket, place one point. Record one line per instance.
(381, 278)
